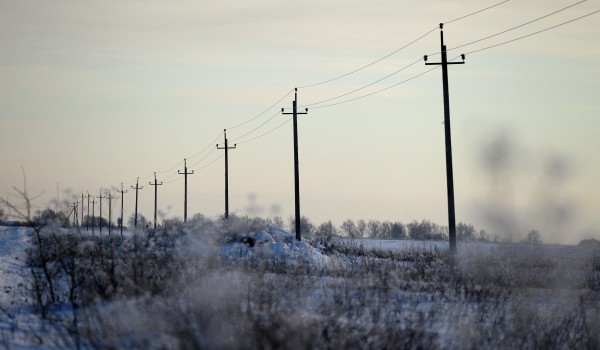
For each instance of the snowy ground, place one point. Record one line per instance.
(412, 304)
(16, 316)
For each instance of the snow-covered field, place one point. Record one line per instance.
(193, 288)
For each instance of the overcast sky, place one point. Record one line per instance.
(95, 93)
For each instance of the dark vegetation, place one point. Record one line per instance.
(174, 289)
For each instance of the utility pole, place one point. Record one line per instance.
(296, 170)
(74, 212)
(100, 221)
(226, 148)
(185, 173)
(93, 214)
(110, 198)
(87, 222)
(75, 217)
(122, 193)
(136, 188)
(155, 184)
(449, 171)
(81, 223)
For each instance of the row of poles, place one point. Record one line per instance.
(226, 147)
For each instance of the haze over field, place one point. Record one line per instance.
(95, 94)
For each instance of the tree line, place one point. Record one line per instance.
(424, 230)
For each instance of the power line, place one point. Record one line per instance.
(205, 148)
(170, 177)
(378, 91)
(331, 99)
(365, 86)
(172, 181)
(203, 158)
(402, 48)
(474, 13)
(266, 133)
(471, 52)
(519, 26)
(534, 33)
(170, 169)
(174, 167)
(258, 127)
(263, 112)
(208, 164)
(370, 64)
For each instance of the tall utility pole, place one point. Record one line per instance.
(296, 170)
(122, 195)
(93, 214)
(81, 223)
(136, 188)
(87, 222)
(76, 218)
(100, 220)
(155, 184)
(449, 172)
(185, 173)
(110, 198)
(226, 148)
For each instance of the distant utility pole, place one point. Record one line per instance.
(136, 188)
(93, 214)
(449, 172)
(122, 195)
(185, 173)
(155, 184)
(75, 217)
(87, 222)
(110, 198)
(226, 148)
(74, 212)
(296, 170)
(81, 224)
(100, 220)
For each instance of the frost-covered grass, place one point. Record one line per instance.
(245, 286)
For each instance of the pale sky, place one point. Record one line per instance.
(95, 93)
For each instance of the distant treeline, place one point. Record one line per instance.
(374, 229)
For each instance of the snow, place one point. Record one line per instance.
(274, 244)
(15, 314)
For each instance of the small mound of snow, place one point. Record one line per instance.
(274, 244)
